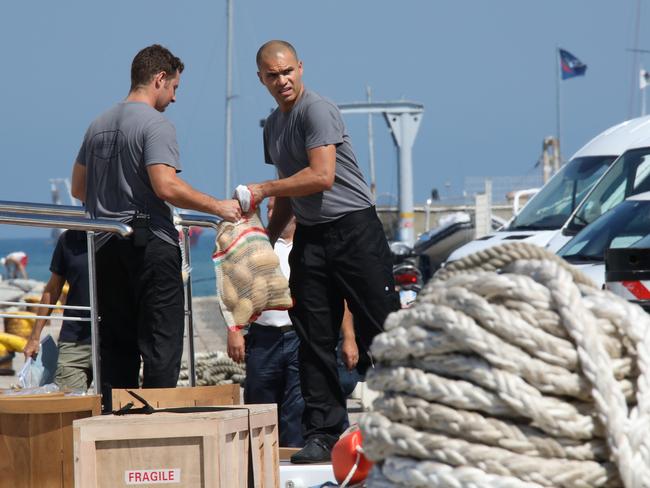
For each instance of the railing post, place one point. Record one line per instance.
(94, 326)
(189, 318)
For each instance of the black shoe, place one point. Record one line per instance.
(316, 450)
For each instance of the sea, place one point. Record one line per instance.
(39, 252)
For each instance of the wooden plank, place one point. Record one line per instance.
(15, 451)
(45, 404)
(286, 452)
(179, 397)
(46, 450)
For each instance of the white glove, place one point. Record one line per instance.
(245, 197)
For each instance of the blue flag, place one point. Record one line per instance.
(570, 65)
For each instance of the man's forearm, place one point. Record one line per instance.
(304, 182)
(181, 194)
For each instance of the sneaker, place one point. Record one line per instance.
(316, 450)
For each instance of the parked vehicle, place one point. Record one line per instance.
(624, 226)
(542, 219)
(406, 272)
(629, 175)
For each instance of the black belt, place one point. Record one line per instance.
(282, 329)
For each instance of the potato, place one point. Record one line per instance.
(264, 260)
(259, 293)
(226, 237)
(240, 277)
(229, 294)
(279, 294)
(243, 311)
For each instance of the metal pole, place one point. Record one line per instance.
(406, 214)
(189, 319)
(94, 319)
(229, 16)
(642, 102)
(371, 150)
(557, 97)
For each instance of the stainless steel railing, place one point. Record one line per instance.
(185, 221)
(71, 217)
(42, 215)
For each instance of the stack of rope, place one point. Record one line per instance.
(213, 368)
(512, 369)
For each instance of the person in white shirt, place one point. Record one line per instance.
(15, 264)
(270, 349)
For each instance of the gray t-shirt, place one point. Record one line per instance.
(313, 122)
(117, 148)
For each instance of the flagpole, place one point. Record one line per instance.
(557, 100)
(642, 86)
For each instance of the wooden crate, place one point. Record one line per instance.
(36, 446)
(179, 397)
(206, 449)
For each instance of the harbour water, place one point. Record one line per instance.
(39, 251)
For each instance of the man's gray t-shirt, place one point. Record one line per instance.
(313, 122)
(117, 148)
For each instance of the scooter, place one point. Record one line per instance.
(406, 273)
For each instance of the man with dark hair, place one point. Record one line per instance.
(339, 251)
(126, 171)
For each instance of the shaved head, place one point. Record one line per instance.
(271, 48)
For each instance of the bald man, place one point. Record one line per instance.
(340, 250)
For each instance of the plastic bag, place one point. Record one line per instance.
(30, 374)
(40, 371)
(249, 279)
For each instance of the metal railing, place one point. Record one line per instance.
(71, 217)
(185, 221)
(51, 216)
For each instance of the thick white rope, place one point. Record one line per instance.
(213, 368)
(511, 370)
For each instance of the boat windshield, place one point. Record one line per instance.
(551, 207)
(629, 175)
(625, 225)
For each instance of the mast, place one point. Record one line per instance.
(229, 97)
(371, 150)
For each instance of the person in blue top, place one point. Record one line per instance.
(69, 263)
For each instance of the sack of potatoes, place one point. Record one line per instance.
(249, 279)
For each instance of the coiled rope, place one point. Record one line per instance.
(512, 369)
(213, 368)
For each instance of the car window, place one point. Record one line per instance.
(629, 175)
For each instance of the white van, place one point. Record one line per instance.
(541, 221)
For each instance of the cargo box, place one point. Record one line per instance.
(202, 449)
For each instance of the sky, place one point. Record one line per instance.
(485, 72)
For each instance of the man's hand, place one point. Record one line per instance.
(229, 210)
(257, 193)
(236, 346)
(31, 348)
(349, 353)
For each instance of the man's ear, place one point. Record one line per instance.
(259, 75)
(160, 78)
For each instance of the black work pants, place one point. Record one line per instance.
(345, 259)
(141, 309)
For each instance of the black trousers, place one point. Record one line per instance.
(345, 259)
(141, 309)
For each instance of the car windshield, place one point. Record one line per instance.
(557, 200)
(623, 226)
(629, 175)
